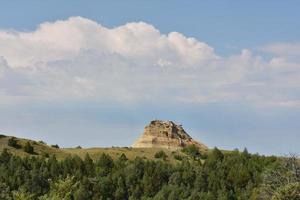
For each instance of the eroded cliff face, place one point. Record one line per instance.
(165, 134)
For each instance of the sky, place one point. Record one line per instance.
(95, 73)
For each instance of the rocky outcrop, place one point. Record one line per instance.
(165, 134)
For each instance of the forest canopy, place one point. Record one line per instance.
(231, 175)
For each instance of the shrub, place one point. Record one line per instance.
(289, 191)
(78, 147)
(42, 142)
(177, 157)
(55, 146)
(161, 154)
(2, 136)
(28, 148)
(12, 142)
(45, 154)
(192, 150)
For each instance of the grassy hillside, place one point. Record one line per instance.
(41, 148)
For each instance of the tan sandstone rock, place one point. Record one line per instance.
(165, 134)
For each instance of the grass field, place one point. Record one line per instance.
(61, 153)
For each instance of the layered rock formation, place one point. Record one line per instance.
(165, 134)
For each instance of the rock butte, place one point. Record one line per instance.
(166, 134)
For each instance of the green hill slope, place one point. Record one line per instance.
(41, 149)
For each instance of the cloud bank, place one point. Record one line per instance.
(79, 58)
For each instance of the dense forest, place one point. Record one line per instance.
(216, 176)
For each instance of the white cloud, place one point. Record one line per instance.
(283, 49)
(66, 39)
(79, 58)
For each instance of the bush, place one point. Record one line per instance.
(12, 142)
(42, 142)
(78, 147)
(45, 154)
(55, 146)
(289, 191)
(192, 150)
(2, 136)
(28, 148)
(177, 157)
(161, 154)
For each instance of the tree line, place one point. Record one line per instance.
(217, 176)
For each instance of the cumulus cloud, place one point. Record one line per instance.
(67, 39)
(283, 49)
(79, 58)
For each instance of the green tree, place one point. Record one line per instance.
(281, 179)
(104, 165)
(121, 191)
(89, 165)
(22, 194)
(192, 150)
(5, 193)
(28, 148)
(12, 142)
(55, 146)
(288, 192)
(84, 191)
(213, 157)
(5, 156)
(161, 154)
(62, 189)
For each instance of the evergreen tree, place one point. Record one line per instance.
(12, 142)
(193, 151)
(28, 148)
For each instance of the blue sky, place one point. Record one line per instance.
(226, 25)
(96, 73)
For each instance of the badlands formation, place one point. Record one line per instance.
(166, 134)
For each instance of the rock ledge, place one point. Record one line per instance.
(165, 134)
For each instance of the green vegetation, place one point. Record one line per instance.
(193, 151)
(55, 146)
(231, 175)
(42, 142)
(2, 136)
(282, 181)
(177, 157)
(28, 148)
(42, 149)
(12, 142)
(161, 154)
(39, 172)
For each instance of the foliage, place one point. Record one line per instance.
(2, 136)
(282, 181)
(192, 150)
(5, 192)
(62, 189)
(161, 154)
(55, 146)
(12, 142)
(22, 194)
(42, 142)
(233, 175)
(28, 148)
(177, 157)
(45, 154)
(288, 192)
